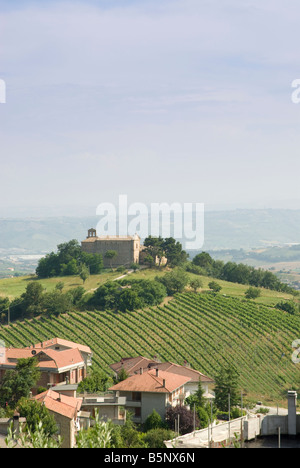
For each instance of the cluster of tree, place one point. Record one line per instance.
(96, 381)
(158, 248)
(204, 264)
(36, 301)
(127, 295)
(175, 281)
(69, 260)
(289, 307)
(128, 435)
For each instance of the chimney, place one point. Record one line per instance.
(156, 370)
(141, 370)
(164, 383)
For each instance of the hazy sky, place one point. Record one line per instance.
(177, 101)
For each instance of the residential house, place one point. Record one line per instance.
(67, 414)
(132, 366)
(59, 361)
(153, 389)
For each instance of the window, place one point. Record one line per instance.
(136, 396)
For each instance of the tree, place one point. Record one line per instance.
(253, 293)
(288, 306)
(69, 269)
(226, 383)
(129, 300)
(60, 286)
(32, 299)
(155, 248)
(153, 421)
(149, 260)
(214, 286)
(94, 262)
(186, 419)
(155, 437)
(150, 292)
(18, 383)
(198, 401)
(84, 273)
(197, 398)
(175, 281)
(4, 305)
(96, 381)
(35, 412)
(122, 375)
(173, 252)
(76, 295)
(56, 303)
(195, 284)
(110, 255)
(203, 260)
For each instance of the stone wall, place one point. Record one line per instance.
(128, 250)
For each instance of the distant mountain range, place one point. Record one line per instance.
(235, 229)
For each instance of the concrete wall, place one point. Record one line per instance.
(271, 423)
(252, 428)
(66, 428)
(151, 401)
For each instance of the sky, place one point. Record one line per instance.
(164, 101)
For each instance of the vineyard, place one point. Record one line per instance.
(204, 329)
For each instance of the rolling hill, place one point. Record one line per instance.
(204, 329)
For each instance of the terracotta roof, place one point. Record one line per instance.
(65, 358)
(60, 341)
(111, 238)
(166, 382)
(183, 370)
(48, 358)
(61, 404)
(132, 365)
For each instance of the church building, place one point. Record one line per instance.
(127, 248)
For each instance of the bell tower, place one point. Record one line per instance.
(92, 233)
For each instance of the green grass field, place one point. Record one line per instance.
(14, 287)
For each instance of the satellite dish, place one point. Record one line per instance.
(33, 352)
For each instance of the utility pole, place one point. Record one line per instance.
(211, 420)
(242, 421)
(194, 417)
(229, 419)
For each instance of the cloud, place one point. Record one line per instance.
(131, 91)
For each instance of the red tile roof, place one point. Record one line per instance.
(165, 382)
(132, 365)
(60, 341)
(47, 358)
(60, 404)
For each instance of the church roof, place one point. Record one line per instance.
(111, 238)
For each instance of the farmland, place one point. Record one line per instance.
(207, 330)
